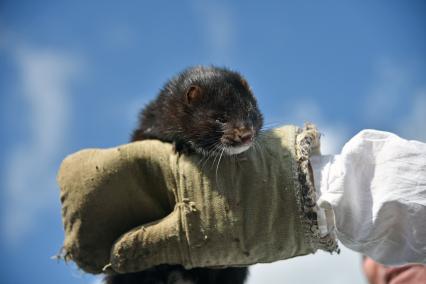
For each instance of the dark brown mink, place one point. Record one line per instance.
(206, 111)
(203, 109)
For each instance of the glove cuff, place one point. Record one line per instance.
(308, 144)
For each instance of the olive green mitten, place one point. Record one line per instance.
(139, 205)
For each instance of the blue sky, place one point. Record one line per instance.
(74, 75)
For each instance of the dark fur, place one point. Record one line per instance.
(225, 97)
(169, 274)
(199, 121)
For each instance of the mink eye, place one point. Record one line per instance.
(220, 120)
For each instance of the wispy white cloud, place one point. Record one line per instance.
(118, 36)
(390, 87)
(413, 126)
(30, 188)
(219, 28)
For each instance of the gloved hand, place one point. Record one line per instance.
(140, 205)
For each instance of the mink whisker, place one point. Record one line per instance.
(217, 167)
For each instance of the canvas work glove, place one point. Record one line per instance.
(139, 205)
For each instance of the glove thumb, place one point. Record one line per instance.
(163, 241)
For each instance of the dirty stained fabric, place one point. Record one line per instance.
(138, 205)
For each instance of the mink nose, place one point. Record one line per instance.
(244, 136)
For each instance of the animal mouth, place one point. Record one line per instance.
(235, 150)
(237, 140)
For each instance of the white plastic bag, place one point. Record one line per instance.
(373, 195)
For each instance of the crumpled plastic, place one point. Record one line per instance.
(373, 196)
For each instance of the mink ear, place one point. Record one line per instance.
(193, 94)
(245, 84)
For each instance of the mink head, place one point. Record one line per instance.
(217, 111)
